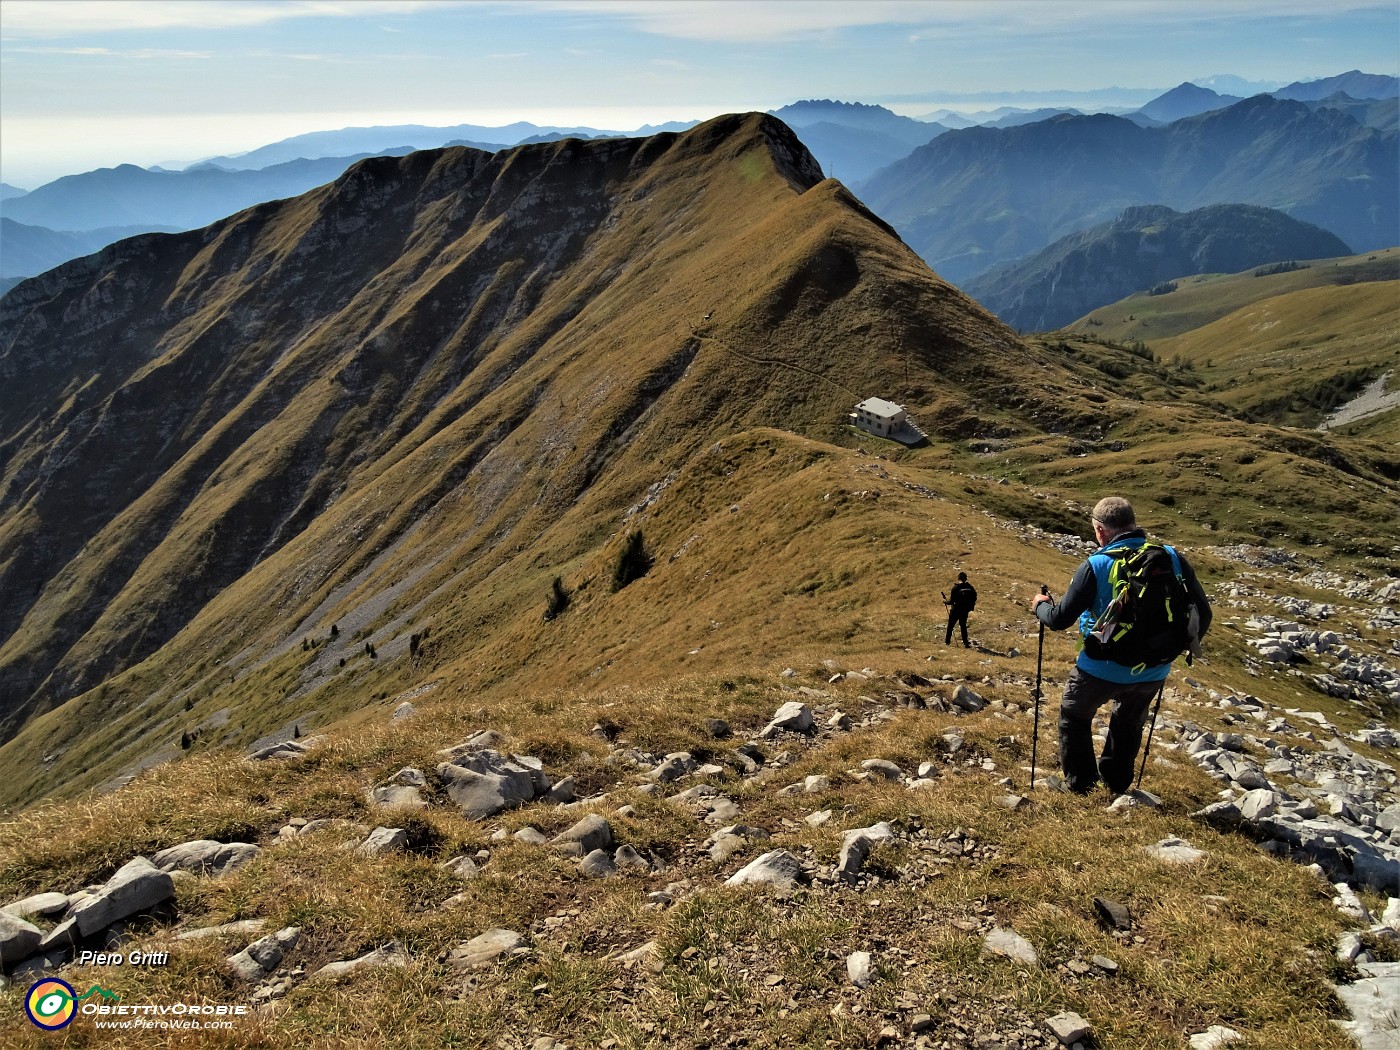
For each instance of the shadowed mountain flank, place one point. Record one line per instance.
(1144, 248)
(410, 376)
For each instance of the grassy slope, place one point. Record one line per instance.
(839, 574)
(1284, 348)
(1202, 299)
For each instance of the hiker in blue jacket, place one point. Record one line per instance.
(1095, 681)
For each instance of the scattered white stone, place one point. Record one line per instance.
(1001, 941)
(484, 949)
(1215, 1037)
(793, 716)
(778, 868)
(591, 833)
(137, 886)
(1373, 1004)
(859, 969)
(18, 939)
(1068, 1028)
(1175, 851)
(383, 840)
(40, 904)
(389, 955)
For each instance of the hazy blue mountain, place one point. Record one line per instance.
(1355, 83)
(1017, 117)
(852, 140)
(1229, 84)
(29, 250)
(980, 197)
(950, 119)
(389, 140)
(807, 112)
(8, 192)
(132, 196)
(1382, 113)
(1186, 100)
(1141, 249)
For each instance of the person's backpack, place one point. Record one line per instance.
(970, 597)
(1150, 619)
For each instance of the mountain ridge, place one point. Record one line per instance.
(431, 337)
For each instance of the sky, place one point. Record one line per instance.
(95, 83)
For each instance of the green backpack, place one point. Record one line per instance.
(1150, 619)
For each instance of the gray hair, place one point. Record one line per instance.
(1114, 512)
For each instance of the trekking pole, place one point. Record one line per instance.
(1151, 729)
(1039, 655)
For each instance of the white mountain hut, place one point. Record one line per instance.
(885, 419)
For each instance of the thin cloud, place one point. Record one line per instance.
(754, 21)
(107, 52)
(44, 18)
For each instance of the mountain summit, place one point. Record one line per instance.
(440, 377)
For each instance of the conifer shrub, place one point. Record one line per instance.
(634, 561)
(558, 599)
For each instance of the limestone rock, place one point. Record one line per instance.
(778, 868)
(389, 955)
(18, 939)
(591, 833)
(383, 840)
(484, 949)
(859, 969)
(1012, 945)
(41, 904)
(793, 716)
(856, 846)
(1068, 1028)
(137, 886)
(206, 857)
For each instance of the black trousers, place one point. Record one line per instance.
(1084, 695)
(959, 617)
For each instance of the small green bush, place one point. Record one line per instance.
(634, 561)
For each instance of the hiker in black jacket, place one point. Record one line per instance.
(962, 601)
(1094, 681)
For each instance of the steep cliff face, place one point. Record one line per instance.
(269, 409)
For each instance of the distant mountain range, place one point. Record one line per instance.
(851, 141)
(1143, 248)
(34, 249)
(980, 197)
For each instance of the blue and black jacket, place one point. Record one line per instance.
(1089, 594)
